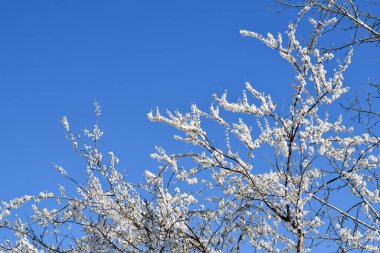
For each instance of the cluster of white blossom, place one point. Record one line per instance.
(314, 159)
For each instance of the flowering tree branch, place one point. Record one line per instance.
(225, 197)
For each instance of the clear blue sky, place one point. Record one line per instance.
(56, 57)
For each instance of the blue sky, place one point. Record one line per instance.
(56, 57)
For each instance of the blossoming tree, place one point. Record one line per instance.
(274, 185)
